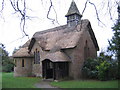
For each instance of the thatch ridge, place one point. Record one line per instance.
(50, 30)
(22, 52)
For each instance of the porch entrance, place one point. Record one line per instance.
(54, 70)
(47, 66)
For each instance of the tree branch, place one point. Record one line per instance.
(85, 6)
(17, 9)
(3, 1)
(109, 10)
(56, 16)
(51, 5)
(96, 13)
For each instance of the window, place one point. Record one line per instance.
(72, 17)
(86, 51)
(15, 63)
(36, 57)
(22, 62)
(68, 18)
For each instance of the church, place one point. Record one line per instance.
(58, 52)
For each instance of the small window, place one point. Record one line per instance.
(22, 62)
(73, 17)
(77, 17)
(86, 51)
(15, 62)
(34, 57)
(68, 18)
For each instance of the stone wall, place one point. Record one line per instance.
(77, 57)
(37, 68)
(23, 71)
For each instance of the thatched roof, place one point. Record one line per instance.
(26, 44)
(63, 37)
(22, 52)
(57, 57)
(63, 40)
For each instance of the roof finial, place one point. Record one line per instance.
(73, 9)
(73, 15)
(73, 1)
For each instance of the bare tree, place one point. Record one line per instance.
(20, 7)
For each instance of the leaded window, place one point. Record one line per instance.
(36, 57)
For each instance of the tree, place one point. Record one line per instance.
(114, 43)
(7, 63)
(20, 7)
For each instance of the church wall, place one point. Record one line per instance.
(69, 53)
(20, 70)
(80, 55)
(91, 46)
(77, 57)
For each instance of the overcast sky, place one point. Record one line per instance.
(10, 31)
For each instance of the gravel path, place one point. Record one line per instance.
(45, 85)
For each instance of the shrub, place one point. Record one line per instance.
(89, 69)
(7, 66)
(102, 68)
(113, 70)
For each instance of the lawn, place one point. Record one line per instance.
(86, 84)
(9, 81)
(0, 80)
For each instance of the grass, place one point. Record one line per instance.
(0, 80)
(86, 84)
(9, 81)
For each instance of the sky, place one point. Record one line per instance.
(12, 36)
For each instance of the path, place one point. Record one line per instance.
(45, 84)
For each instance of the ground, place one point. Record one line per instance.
(45, 84)
(9, 81)
(86, 84)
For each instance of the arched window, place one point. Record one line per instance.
(22, 62)
(36, 57)
(86, 50)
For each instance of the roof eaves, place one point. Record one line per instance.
(93, 36)
(31, 44)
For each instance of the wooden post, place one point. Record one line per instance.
(54, 68)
